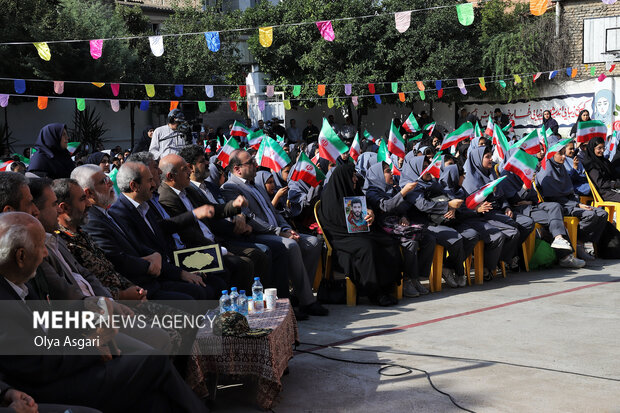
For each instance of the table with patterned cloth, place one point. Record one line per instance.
(263, 358)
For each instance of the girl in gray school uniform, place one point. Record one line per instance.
(432, 205)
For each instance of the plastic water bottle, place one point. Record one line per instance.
(234, 299)
(257, 295)
(224, 302)
(243, 303)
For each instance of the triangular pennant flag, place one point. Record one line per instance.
(355, 101)
(305, 170)
(538, 7)
(403, 21)
(438, 84)
(465, 13)
(44, 50)
(233, 105)
(265, 36)
(150, 90)
(213, 40)
(115, 105)
(81, 104)
(19, 85)
(610, 66)
(394, 87)
(229, 147)
(602, 77)
(296, 90)
(371, 88)
(270, 91)
(330, 145)
(287, 104)
(401, 96)
(517, 79)
(98, 84)
(573, 72)
(326, 29)
(593, 71)
(569, 71)
(202, 106)
(502, 84)
(378, 99)
(420, 85)
(411, 124)
(59, 87)
(242, 91)
(396, 143)
(173, 105)
(157, 45)
(536, 76)
(383, 155)
(4, 100)
(115, 88)
(42, 102)
(422, 95)
(178, 90)
(261, 105)
(320, 90)
(347, 89)
(482, 84)
(553, 74)
(465, 131)
(461, 85)
(330, 103)
(96, 48)
(209, 91)
(440, 93)
(144, 105)
(482, 194)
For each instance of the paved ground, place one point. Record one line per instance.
(533, 342)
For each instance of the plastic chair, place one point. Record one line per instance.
(436, 269)
(609, 206)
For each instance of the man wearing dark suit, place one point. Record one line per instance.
(178, 197)
(133, 213)
(270, 228)
(140, 264)
(120, 384)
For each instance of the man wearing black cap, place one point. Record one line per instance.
(169, 138)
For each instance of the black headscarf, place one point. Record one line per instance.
(145, 142)
(551, 123)
(96, 158)
(591, 161)
(573, 130)
(50, 159)
(331, 211)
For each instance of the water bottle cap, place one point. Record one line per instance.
(233, 289)
(242, 292)
(256, 278)
(224, 291)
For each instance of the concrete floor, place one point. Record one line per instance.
(533, 342)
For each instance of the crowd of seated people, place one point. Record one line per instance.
(96, 230)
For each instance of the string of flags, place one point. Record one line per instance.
(20, 87)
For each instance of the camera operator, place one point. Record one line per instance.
(172, 137)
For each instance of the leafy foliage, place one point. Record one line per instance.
(88, 128)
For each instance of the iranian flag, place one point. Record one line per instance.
(383, 155)
(490, 127)
(529, 143)
(553, 150)
(219, 146)
(501, 142)
(255, 138)
(396, 143)
(434, 168)
(355, 150)
(477, 130)
(369, 137)
(330, 145)
(510, 127)
(429, 128)
(523, 165)
(591, 129)
(239, 129)
(416, 137)
(305, 170)
(612, 146)
(315, 159)
(271, 155)
(411, 125)
(4, 166)
(465, 131)
(72, 147)
(21, 158)
(228, 148)
(543, 137)
(395, 170)
(481, 195)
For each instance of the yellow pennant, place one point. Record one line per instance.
(150, 90)
(265, 36)
(44, 51)
(517, 79)
(287, 104)
(330, 102)
(98, 84)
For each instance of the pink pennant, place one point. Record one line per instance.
(403, 20)
(354, 100)
(115, 105)
(96, 48)
(261, 105)
(115, 88)
(326, 29)
(270, 91)
(602, 77)
(59, 87)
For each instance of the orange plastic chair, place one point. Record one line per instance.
(609, 206)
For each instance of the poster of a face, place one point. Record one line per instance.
(603, 106)
(354, 211)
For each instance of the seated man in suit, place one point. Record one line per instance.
(147, 383)
(293, 254)
(140, 264)
(177, 196)
(133, 213)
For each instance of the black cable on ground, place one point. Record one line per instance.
(384, 366)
